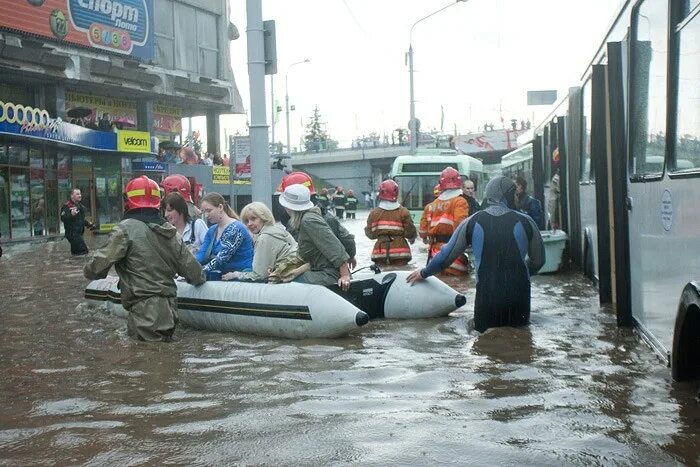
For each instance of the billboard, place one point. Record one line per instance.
(120, 26)
(497, 140)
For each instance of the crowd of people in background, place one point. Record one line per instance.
(187, 155)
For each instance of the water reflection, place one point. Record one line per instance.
(571, 388)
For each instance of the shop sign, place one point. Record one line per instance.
(23, 120)
(120, 26)
(119, 110)
(133, 141)
(148, 166)
(167, 119)
(221, 175)
(240, 153)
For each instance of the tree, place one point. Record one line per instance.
(316, 138)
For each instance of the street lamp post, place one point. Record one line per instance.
(412, 122)
(286, 100)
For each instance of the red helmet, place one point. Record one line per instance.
(350, 193)
(388, 190)
(450, 179)
(177, 183)
(436, 190)
(142, 192)
(297, 178)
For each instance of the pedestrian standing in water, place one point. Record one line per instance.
(391, 225)
(74, 223)
(147, 253)
(350, 205)
(527, 204)
(228, 246)
(468, 192)
(508, 249)
(339, 200)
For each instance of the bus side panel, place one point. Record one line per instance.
(600, 171)
(617, 145)
(573, 162)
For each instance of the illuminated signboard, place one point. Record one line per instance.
(119, 26)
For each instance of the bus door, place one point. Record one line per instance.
(652, 258)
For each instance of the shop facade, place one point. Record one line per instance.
(87, 113)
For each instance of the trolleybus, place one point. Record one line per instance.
(628, 140)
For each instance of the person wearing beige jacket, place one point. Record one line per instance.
(273, 244)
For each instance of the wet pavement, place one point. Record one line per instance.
(570, 389)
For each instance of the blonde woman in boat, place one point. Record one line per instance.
(273, 244)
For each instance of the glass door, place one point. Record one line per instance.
(36, 187)
(63, 180)
(83, 179)
(108, 197)
(20, 207)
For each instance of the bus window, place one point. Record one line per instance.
(416, 191)
(585, 173)
(687, 142)
(648, 92)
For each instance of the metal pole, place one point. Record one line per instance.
(286, 118)
(272, 111)
(259, 149)
(286, 101)
(412, 121)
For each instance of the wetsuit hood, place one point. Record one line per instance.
(501, 190)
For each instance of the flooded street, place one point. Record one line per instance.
(571, 388)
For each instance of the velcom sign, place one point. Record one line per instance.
(133, 141)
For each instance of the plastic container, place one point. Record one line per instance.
(554, 243)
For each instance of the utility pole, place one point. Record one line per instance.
(259, 149)
(272, 111)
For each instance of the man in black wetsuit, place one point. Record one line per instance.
(507, 248)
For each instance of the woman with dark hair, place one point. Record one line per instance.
(228, 245)
(191, 230)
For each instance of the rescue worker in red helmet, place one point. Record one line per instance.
(322, 199)
(339, 201)
(147, 254)
(302, 178)
(177, 183)
(424, 224)
(391, 225)
(350, 205)
(447, 211)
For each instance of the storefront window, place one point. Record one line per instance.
(108, 199)
(3, 154)
(82, 178)
(52, 202)
(36, 185)
(4, 203)
(20, 206)
(18, 154)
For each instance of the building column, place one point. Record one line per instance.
(54, 100)
(213, 131)
(144, 115)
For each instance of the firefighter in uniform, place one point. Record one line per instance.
(391, 225)
(147, 254)
(448, 210)
(339, 202)
(424, 223)
(321, 199)
(350, 205)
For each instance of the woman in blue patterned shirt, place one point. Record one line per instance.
(228, 246)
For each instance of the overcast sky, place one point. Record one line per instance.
(475, 59)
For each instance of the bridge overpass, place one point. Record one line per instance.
(360, 169)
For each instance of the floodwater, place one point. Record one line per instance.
(570, 389)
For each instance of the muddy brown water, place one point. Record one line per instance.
(570, 389)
